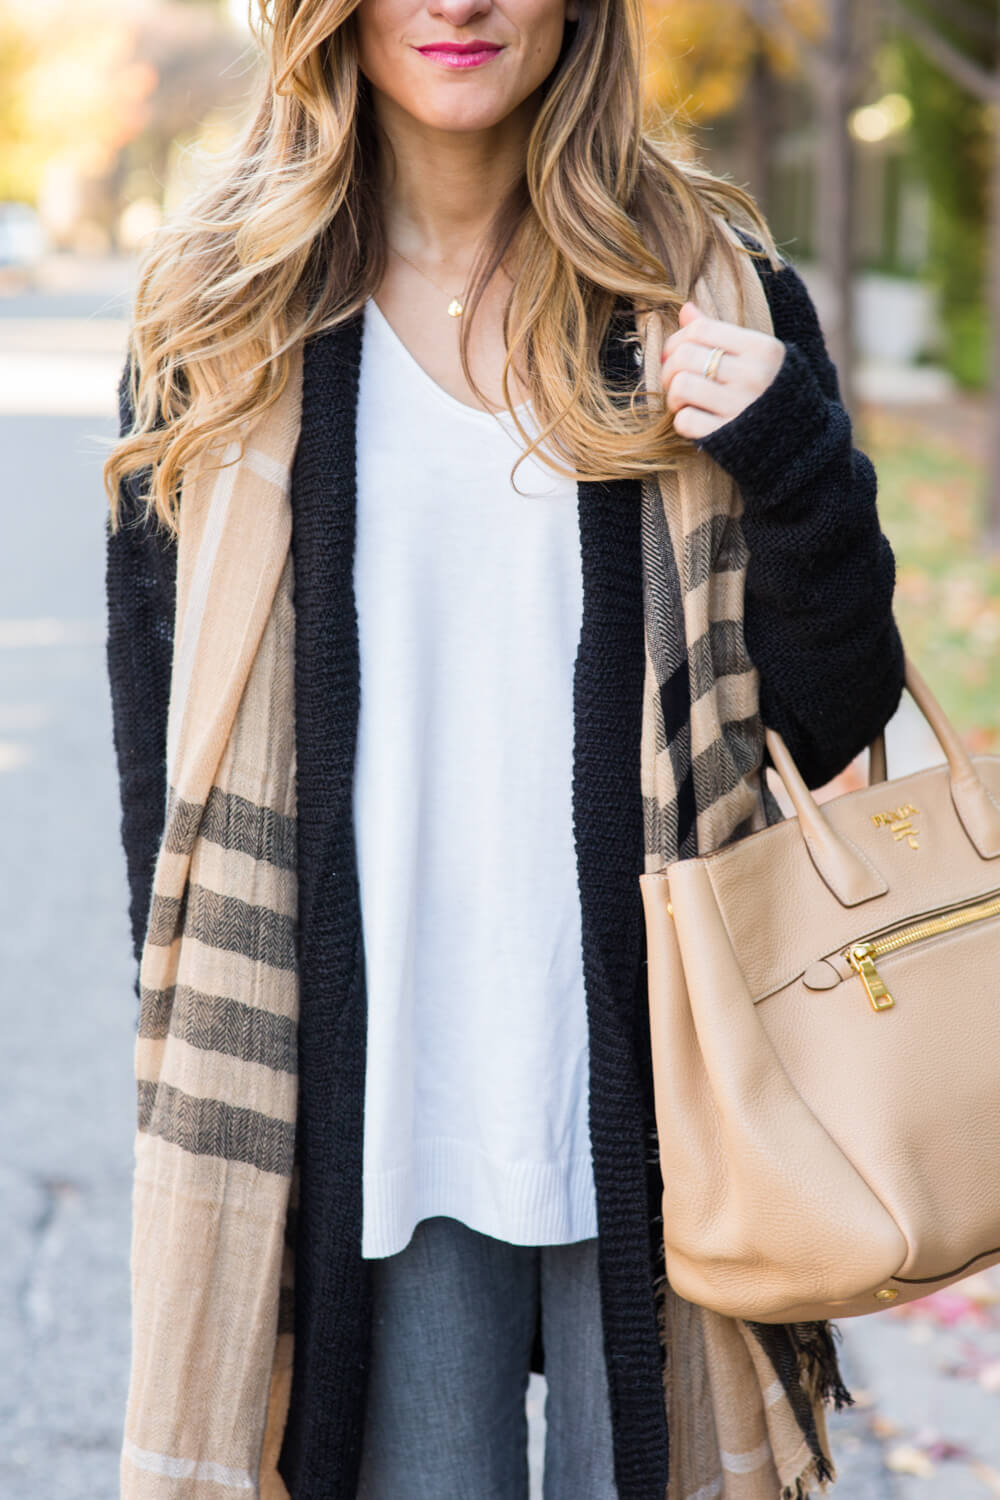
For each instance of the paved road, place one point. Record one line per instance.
(66, 1101)
(66, 1105)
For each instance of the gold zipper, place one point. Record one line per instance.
(862, 956)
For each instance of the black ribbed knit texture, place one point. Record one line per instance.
(140, 581)
(819, 627)
(321, 1452)
(821, 574)
(608, 830)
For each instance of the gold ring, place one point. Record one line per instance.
(712, 363)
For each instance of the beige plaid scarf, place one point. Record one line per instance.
(215, 1055)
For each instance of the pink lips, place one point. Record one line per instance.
(460, 54)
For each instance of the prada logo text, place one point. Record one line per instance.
(898, 820)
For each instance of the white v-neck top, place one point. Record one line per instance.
(469, 600)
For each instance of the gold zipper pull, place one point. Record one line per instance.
(861, 960)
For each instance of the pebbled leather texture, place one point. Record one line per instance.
(815, 1151)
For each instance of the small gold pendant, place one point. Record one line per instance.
(455, 308)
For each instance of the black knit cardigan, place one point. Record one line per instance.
(819, 627)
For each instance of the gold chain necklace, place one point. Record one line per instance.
(456, 305)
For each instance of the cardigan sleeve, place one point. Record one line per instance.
(140, 581)
(818, 622)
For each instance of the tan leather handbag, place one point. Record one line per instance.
(824, 1001)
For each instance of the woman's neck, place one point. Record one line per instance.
(447, 185)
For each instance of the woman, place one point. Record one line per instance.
(449, 211)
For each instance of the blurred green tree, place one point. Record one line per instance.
(953, 143)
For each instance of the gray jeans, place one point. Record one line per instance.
(454, 1318)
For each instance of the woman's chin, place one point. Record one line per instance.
(448, 112)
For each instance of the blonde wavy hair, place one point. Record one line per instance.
(285, 239)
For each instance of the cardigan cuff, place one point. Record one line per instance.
(776, 428)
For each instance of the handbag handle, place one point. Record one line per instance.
(848, 872)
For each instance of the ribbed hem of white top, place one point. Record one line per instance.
(523, 1203)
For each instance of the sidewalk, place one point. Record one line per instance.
(926, 1378)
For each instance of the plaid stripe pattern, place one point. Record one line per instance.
(215, 1184)
(702, 787)
(216, 1188)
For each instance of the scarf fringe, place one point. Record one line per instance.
(819, 1472)
(815, 1344)
(816, 1347)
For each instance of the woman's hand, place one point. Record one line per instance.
(748, 366)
